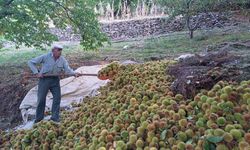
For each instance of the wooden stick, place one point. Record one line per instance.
(57, 75)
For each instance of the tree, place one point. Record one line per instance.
(118, 5)
(121, 8)
(189, 9)
(27, 21)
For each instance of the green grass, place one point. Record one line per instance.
(181, 44)
(175, 44)
(168, 46)
(12, 55)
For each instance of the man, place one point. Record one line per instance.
(52, 63)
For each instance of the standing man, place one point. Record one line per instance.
(52, 63)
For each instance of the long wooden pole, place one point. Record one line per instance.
(58, 75)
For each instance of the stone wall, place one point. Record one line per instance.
(125, 30)
(140, 28)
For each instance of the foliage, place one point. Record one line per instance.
(190, 9)
(132, 7)
(27, 22)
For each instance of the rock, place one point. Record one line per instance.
(184, 56)
(128, 62)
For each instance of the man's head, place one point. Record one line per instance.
(57, 50)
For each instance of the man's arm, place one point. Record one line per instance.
(32, 63)
(67, 68)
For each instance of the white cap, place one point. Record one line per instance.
(57, 46)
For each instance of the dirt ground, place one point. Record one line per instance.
(13, 89)
(228, 62)
(11, 95)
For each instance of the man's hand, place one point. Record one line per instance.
(77, 75)
(38, 75)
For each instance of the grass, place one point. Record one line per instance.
(11, 55)
(180, 44)
(177, 43)
(167, 46)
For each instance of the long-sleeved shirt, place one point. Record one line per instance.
(50, 65)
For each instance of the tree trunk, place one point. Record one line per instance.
(191, 34)
(118, 14)
(189, 27)
(113, 10)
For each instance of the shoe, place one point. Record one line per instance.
(37, 121)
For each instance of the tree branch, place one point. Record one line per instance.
(211, 14)
(196, 23)
(8, 3)
(5, 14)
(66, 10)
(5, 10)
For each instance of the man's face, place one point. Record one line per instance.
(56, 52)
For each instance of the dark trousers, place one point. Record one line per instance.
(45, 84)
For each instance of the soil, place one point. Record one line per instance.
(12, 92)
(228, 62)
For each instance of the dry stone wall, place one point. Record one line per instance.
(125, 30)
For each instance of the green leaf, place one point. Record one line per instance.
(215, 139)
(209, 146)
(189, 117)
(212, 146)
(26, 24)
(126, 117)
(189, 141)
(163, 134)
(206, 145)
